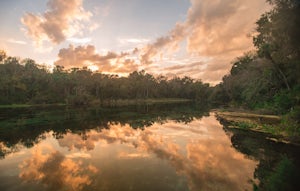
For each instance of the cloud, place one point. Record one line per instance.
(61, 20)
(208, 161)
(86, 56)
(221, 27)
(56, 171)
(79, 40)
(169, 43)
(211, 70)
(6, 149)
(214, 32)
(214, 29)
(195, 66)
(133, 40)
(16, 41)
(89, 139)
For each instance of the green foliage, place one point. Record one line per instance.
(245, 125)
(26, 125)
(283, 101)
(218, 96)
(283, 178)
(291, 122)
(251, 82)
(79, 100)
(268, 79)
(24, 81)
(277, 39)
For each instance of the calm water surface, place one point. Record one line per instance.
(146, 148)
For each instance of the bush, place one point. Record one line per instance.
(291, 122)
(283, 101)
(284, 177)
(79, 100)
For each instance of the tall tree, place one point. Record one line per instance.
(278, 39)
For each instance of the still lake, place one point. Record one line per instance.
(146, 147)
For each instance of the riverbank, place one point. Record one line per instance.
(119, 102)
(271, 124)
(12, 106)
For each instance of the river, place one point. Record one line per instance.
(146, 147)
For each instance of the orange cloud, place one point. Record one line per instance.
(56, 171)
(200, 150)
(86, 56)
(61, 20)
(115, 133)
(169, 42)
(221, 27)
(217, 30)
(210, 163)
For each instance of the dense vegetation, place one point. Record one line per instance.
(24, 126)
(24, 81)
(266, 79)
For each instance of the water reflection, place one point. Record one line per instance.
(200, 151)
(57, 172)
(279, 163)
(25, 127)
(166, 152)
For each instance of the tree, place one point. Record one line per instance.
(278, 39)
(2, 55)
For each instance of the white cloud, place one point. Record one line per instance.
(63, 19)
(213, 29)
(16, 41)
(133, 40)
(79, 40)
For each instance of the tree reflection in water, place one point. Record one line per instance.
(175, 148)
(53, 169)
(199, 151)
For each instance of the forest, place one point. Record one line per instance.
(77, 113)
(24, 81)
(265, 79)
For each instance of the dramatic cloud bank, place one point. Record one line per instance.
(62, 20)
(86, 56)
(218, 30)
(55, 171)
(169, 43)
(213, 32)
(203, 155)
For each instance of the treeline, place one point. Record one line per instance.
(24, 81)
(269, 77)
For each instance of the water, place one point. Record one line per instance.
(160, 147)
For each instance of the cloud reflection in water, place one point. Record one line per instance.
(200, 151)
(57, 172)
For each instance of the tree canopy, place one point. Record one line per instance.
(269, 76)
(25, 81)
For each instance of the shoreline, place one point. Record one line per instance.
(119, 102)
(249, 121)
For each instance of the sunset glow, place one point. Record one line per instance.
(193, 38)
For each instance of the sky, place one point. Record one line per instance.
(195, 38)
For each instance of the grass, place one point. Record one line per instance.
(271, 124)
(118, 102)
(166, 100)
(126, 102)
(11, 106)
(266, 128)
(16, 106)
(282, 177)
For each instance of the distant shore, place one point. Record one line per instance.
(270, 124)
(118, 102)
